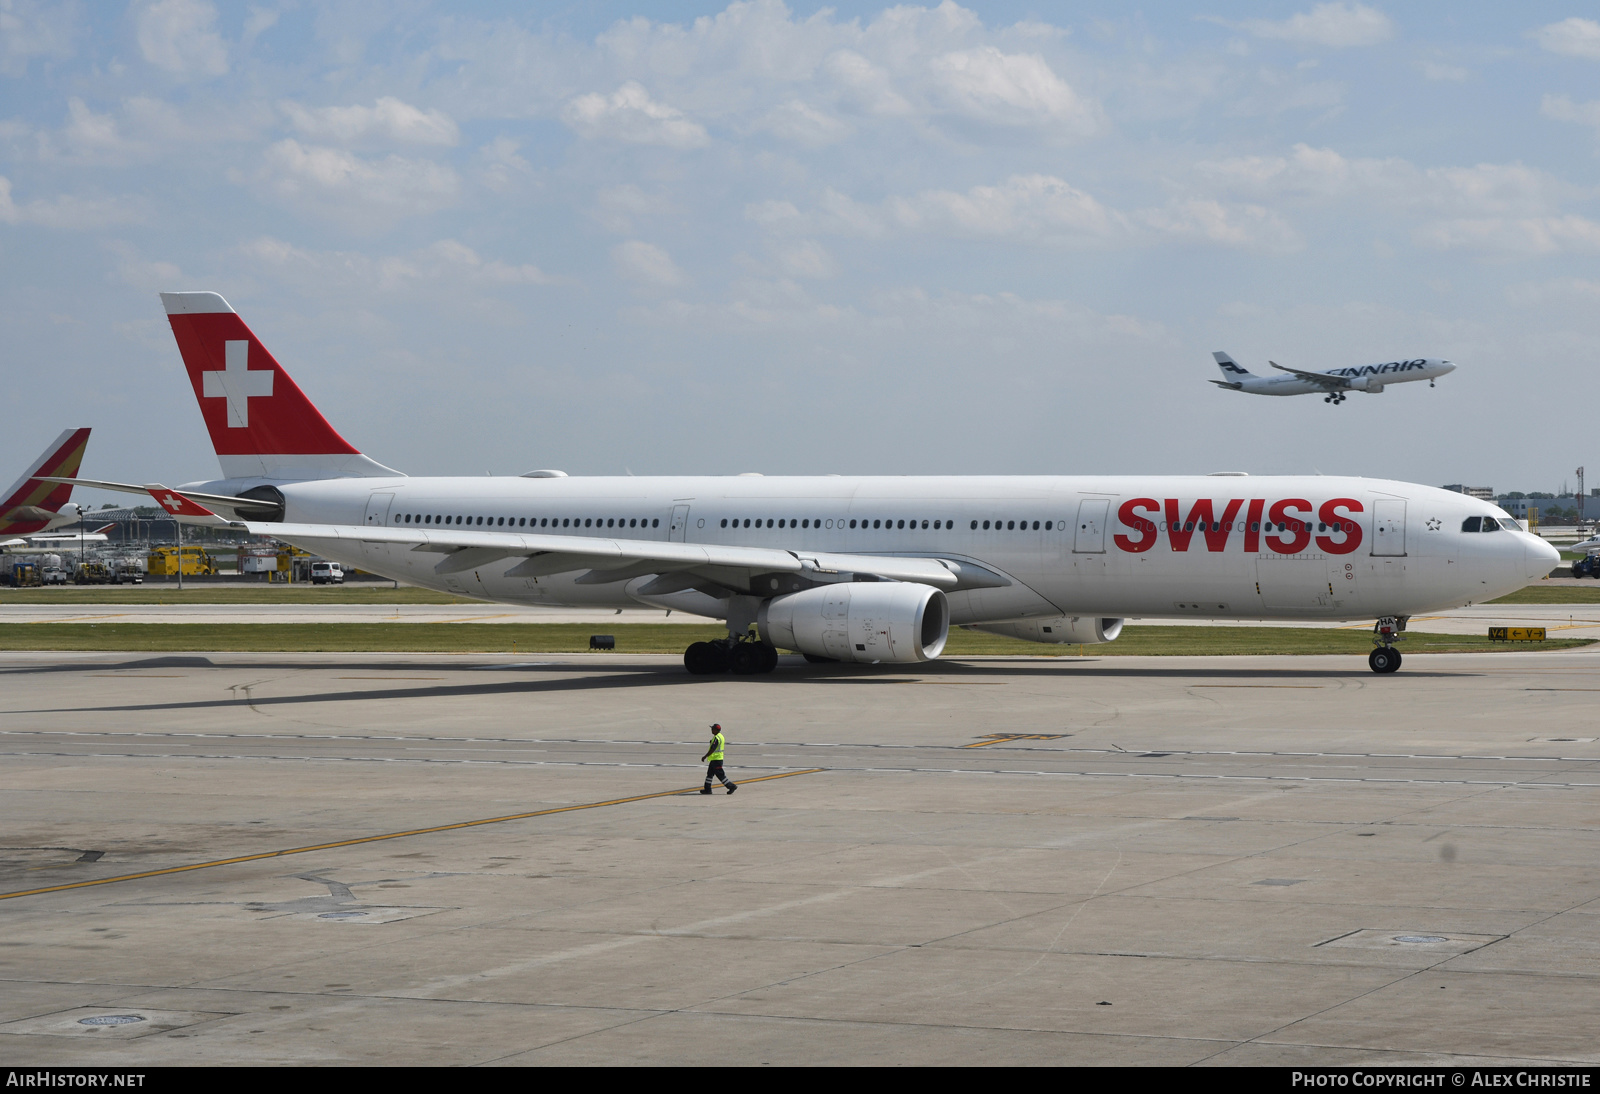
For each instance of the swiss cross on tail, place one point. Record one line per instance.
(261, 423)
(186, 510)
(236, 383)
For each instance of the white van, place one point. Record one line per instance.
(325, 573)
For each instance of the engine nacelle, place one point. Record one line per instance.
(896, 621)
(1077, 630)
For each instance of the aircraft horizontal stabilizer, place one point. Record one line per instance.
(1230, 387)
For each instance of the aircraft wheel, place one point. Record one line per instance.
(702, 659)
(747, 659)
(769, 658)
(1384, 659)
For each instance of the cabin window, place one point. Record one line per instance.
(656, 523)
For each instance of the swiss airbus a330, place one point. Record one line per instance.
(839, 568)
(1335, 384)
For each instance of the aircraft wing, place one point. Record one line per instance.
(748, 570)
(1332, 383)
(215, 501)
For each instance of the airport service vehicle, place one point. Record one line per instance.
(326, 573)
(37, 504)
(861, 569)
(1335, 384)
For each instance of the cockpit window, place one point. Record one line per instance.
(1471, 524)
(1510, 525)
(1490, 524)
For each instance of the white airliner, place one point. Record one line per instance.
(1335, 384)
(37, 503)
(863, 569)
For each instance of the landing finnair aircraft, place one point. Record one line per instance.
(37, 502)
(1335, 384)
(863, 569)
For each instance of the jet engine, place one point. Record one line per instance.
(895, 621)
(1077, 630)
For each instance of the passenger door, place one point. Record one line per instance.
(680, 524)
(1389, 527)
(1090, 535)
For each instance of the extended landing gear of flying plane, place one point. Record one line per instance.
(745, 657)
(1335, 398)
(1385, 658)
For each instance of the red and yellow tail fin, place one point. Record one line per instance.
(30, 505)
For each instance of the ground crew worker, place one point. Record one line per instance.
(714, 756)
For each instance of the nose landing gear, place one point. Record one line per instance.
(1386, 632)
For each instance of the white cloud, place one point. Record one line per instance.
(503, 169)
(630, 114)
(805, 258)
(68, 211)
(1433, 70)
(1024, 207)
(180, 37)
(1515, 236)
(1012, 89)
(802, 124)
(387, 120)
(1337, 26)
(362, 193)
(1572, 37)
(447, 262)
(618, 207)
(647, 264)
(30, 29)
(1563, 109)
(1322, 174)
(1248, 227)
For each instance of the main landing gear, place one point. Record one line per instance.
(742, 657)
(1335, 398)
(1386, 632)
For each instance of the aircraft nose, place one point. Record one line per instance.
(1446, 366)
(1541, 558)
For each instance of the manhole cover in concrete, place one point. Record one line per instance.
(110, 1020)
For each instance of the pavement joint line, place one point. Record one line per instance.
(677, 792)
(1468, 756)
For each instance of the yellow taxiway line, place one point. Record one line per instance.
(390, 835)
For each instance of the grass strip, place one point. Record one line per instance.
(670, 638)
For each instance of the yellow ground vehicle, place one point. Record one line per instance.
(196, 562)
(93, 572)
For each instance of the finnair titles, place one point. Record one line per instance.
(1335, 384)
(858, 569)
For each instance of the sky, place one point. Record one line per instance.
(636, 238)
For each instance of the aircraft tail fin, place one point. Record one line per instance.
(30, 505)
(1232, 371)
(261, 423)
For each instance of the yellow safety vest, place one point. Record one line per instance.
(717, 745)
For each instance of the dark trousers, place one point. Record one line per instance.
(715, 769)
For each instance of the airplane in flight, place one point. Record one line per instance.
(1335, 384)
(838, 568)
(38, 502)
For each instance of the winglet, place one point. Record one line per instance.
(185, 510)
